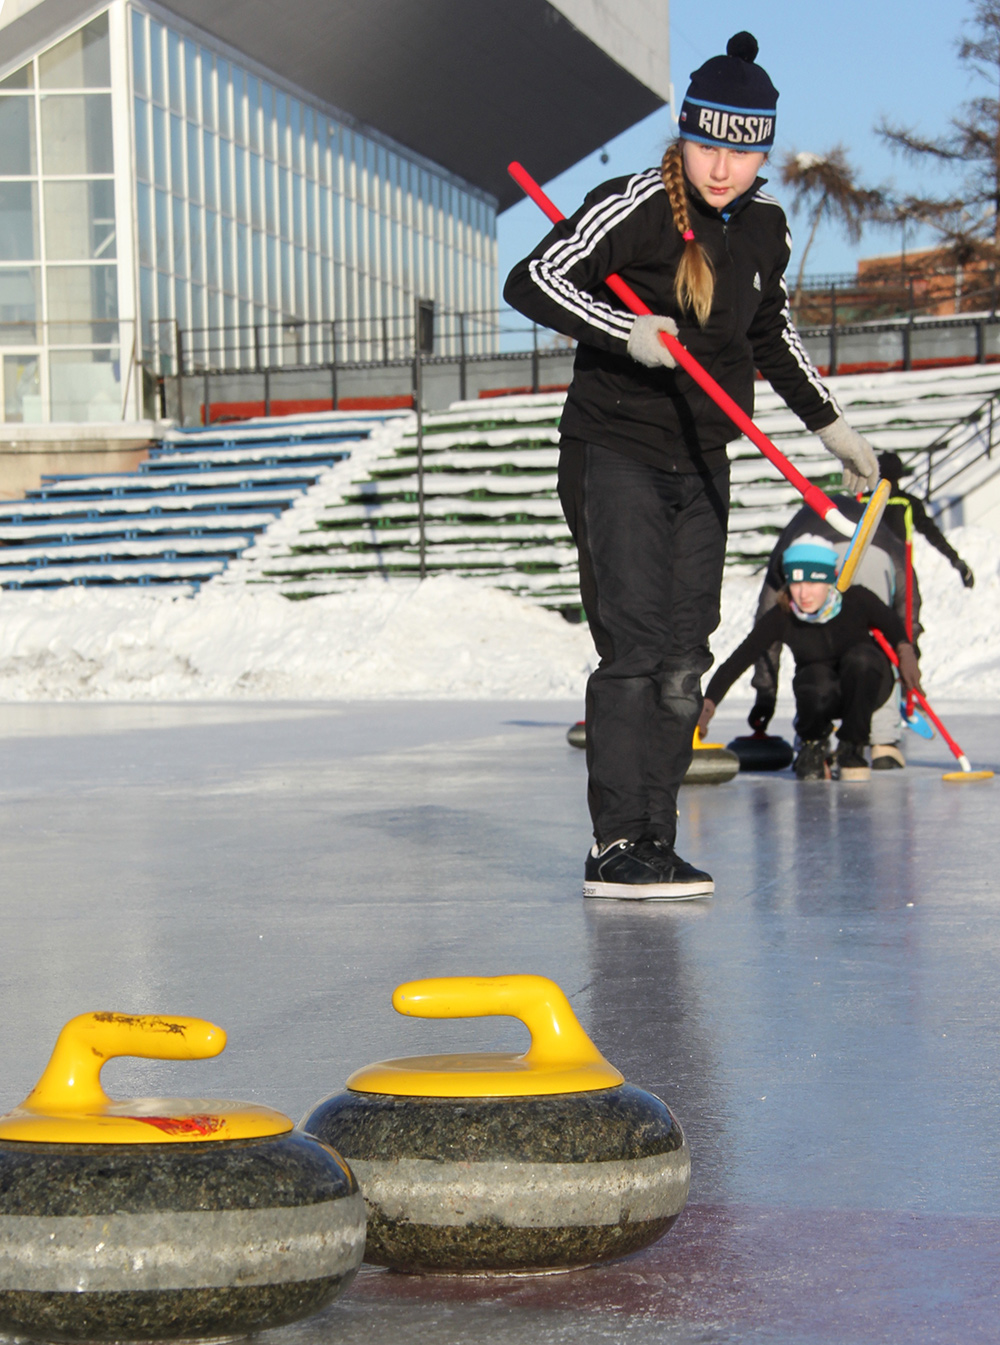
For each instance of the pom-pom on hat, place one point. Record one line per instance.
(810, 560)
(731, 100)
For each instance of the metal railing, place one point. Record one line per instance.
(269, 350)
(960, 447)
(908, 328)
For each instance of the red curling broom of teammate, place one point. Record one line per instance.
(966, 773)
(817, 499)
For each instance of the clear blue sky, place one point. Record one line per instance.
(839, 66)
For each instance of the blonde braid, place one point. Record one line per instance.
(694, 284)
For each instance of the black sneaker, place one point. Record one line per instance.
(851, 764)
(812, 762)
(643, 870)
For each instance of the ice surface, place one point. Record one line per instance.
(825, 1028)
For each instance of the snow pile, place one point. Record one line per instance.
(445, 638)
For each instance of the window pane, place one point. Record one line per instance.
(208, 147)
(241, 185)
(83, 303)
(147, 307)
(144, 211)
(162, 231)
(239, 106)
(243, 260)
(80, 220)
(20, 305)
(207, 92)
(157, 82)
(256, 193)
(17, 136)
(85, 385)
(76, 134)
(193, 173)
(212, 273)
(174, 71)
(140, 67)
(18, 221)
(191, 80)
(161, 175)
(281, 127)
(224, 93)
(80, 61)
(142, 140)
(194, 238)
(21, 389)
(177, 155)
(253, 114)
(23, 78)
(180, 232)
(226, 178)
(271, 192)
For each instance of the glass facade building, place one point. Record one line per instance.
(152, 183)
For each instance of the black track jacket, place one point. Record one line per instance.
(661, 416)
(810, 641)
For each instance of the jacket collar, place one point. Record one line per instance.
(733, 208)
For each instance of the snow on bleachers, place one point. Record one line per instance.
(491, 508)
(196, 503)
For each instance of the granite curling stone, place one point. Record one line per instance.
(576, 734)
(501, 1163)
(762, 752)
(711, 764)
(163, 1218)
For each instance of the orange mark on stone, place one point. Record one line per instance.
(182, 1125)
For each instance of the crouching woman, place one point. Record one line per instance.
(840, 673)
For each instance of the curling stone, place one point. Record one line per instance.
(762, 752)
(501, 1163)
(577, 735)
(163, 1218)
(711, 764)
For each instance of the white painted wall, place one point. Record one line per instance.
(635, 33)
(13, 9)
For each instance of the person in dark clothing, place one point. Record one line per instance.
(883, 571)
(840, 673)
(906, 514)
(644, 471)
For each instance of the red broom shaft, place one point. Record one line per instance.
(813, 496)
(918, 696)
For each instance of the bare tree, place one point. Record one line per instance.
(824, 185)
(967, 219)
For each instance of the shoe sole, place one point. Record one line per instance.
(855, 774)
(649, 891)
(887, 764)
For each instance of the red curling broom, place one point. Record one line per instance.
(966, 774)
(818, 500)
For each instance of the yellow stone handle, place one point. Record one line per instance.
(557, 1039)
(71, 1081)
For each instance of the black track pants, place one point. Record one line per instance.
(652, 546)
(850, 690)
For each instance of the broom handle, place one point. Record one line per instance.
(921, 700)
(817, 499)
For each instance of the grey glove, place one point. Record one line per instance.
(854, 451)
(644, 344)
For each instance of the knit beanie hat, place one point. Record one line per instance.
(730, 100)
(810, 560)
(890, 465)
